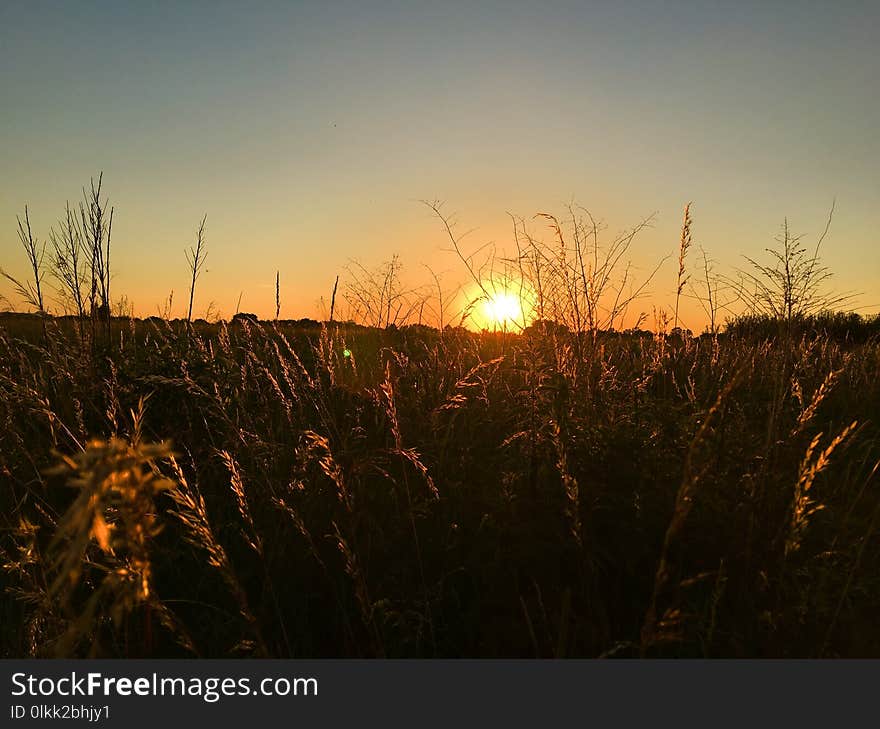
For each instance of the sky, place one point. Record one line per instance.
(309, 132)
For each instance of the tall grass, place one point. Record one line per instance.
(305, 489)
(463, 495)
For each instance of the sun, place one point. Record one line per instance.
(503, 308)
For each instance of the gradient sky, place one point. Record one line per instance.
(308, 132)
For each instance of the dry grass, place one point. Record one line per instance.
(463, 495)
(280, 489)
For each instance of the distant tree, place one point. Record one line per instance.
(306, 323)
(792, 284)
(546, 326)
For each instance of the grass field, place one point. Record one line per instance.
(277, 489)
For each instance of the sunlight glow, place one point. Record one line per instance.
(504, 308)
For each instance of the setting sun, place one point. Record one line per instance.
(502, 302)
(504, 308)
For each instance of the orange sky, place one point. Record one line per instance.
(308, 134)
